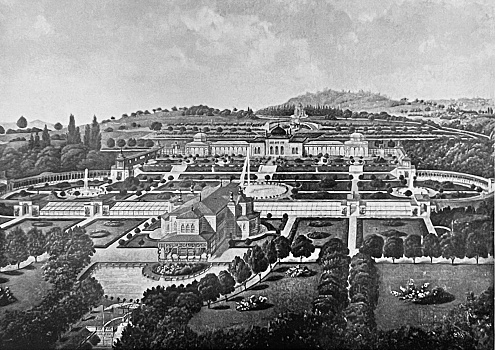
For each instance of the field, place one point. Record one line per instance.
(337, 228)
(115, 232)
(284, 293)
(27, 285)
(27, 224)
(456, 279)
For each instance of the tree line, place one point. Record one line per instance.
(66, 301)
(40, 155)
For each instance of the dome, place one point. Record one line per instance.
(278, 131)
(199, 137)
(357, 136)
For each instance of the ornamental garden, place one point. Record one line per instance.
(347, 228)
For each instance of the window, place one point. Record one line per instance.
(271, 149)
(182, 228)
(192, 228)
(281, 149)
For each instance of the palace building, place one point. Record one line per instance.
(198, 227)
(282, 143)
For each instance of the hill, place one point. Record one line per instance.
(31, 124)
(343, 99)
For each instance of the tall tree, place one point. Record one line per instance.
(270, 251)
(373, 246)
(227, 283)
(412, 247)
(394, 248)
(45, 138)
(95, 137)
(209, 288)
(256, 259)
(36, 242)
(17, 250)
(3, 252)
(282, 246)
(2, 130)
(240, 270)
(302, 247)
(87, 136)
(73, 134)
(453, 246)
(476, 246)
(431, 246)
(37, 142)
(22, 122)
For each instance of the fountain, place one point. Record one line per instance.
(85, 191)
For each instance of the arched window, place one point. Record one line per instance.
(193, 229)
(175, 225)
(182, 228)
(281, 149)
(276, 150)
(271, 149)
(188, 228)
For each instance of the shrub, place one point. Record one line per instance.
(129, 236)
(137, 230)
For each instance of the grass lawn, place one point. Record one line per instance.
(27, 224)
(115, 232)
(376, 226)
(4, 220)
(148, 242)
(455, 279)
(284, 293)
(27, 285)
(338, 228)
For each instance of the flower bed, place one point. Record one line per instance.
(113, 223)
(177, 269)
(6, 296)
(299, 271)
(99, 233)
(423, 295)
(318, 235)
(319, 223)
(42, 224)
(254, 302)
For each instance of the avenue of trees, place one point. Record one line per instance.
(65, 302)
(40, 155)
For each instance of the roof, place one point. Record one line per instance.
(229, 142)
(190, 238)
(278, 131)
(190, 214)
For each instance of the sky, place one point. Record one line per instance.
(108, 57)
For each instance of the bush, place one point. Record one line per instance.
(129, 236)
(137, 230)
(121, 241)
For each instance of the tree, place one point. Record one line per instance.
(282, 247)
(240, 270)
(394, 248)
(45, 137)
(412, 247)
(453, 246)
(270, 251)
(431, 246)
(257, 260)
(156, 126)
(227, 283)
(17, 250)
(87, 135)
(373, 246)
(2, 130)
(3, 253)
(120, 143)
(302, 246)
(73, 134)
(209, 288)
(71, 156)
(22, 122)
(110, 143)
(36, 242)
(95, 135)
(58, 126)
(189, 301)
(48, 160)
(476, 246)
